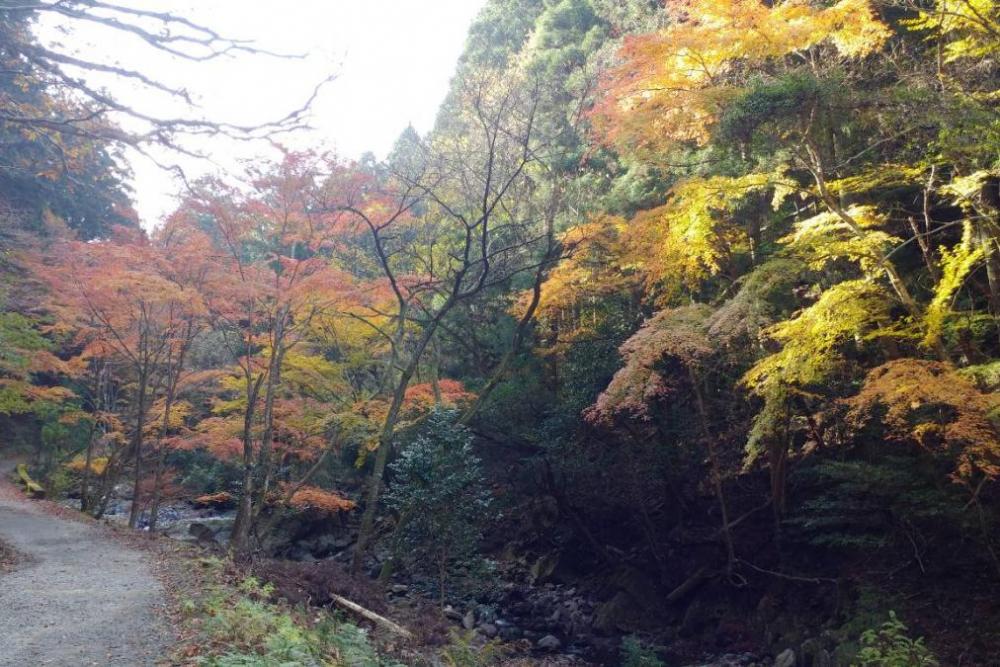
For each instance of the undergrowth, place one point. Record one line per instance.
(241, 627)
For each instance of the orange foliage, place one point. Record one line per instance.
(219, 499)
(672, 84)
(97, 465)
(419, 398)
(312, 498)
(928, 404)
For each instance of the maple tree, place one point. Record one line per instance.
(116, 300)
(270, 276)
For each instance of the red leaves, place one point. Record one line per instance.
(677, 334)
(421, 397)
(928, 404)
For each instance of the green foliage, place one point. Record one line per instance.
(440, 496)
(889, 645)
(20, 341)
(874, 503)
(766, 102)
(249, 631)
(462, 652)
(636, 654)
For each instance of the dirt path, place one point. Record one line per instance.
(77, 597)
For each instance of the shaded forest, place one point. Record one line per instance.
(675, 340)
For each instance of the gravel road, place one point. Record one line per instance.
(77, 597)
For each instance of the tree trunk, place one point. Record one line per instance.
(140, 424)
(385, 445)
(240, 539)
(270, 391)
(161, 455)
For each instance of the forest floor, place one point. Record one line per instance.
(76, 595)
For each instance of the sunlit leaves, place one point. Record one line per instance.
(968, 28)
(928, 404)
(689, 238)
(811, 341)
(826, 237)
(955, 265)
(673, 84)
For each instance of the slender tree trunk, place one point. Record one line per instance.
(989, 246)
(239, 541)
(161, 455)
(716, 472)
(385, 445)
(140, 424)
(270, 392)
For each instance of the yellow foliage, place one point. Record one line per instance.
(968, 28)
(956, 264)
(965, 188)
(590, 267)
(810, 341)
(826, 237)
(687, 239)
(882, 176)
(98, 465)
(179, 411)
(595, 271)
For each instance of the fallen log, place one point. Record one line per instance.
(694, 581)
(368, 614)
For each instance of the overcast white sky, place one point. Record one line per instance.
(394, 59)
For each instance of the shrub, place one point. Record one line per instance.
(890, 646)
(245, 630)
(462, 652)
(439, 494)
(636, 654)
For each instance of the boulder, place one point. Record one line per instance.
(542, 569)
(549, 643)
(814, 654)
(202, 533)
(469, 620)
(489, 630)
(785, 659)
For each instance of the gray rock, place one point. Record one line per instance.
(489, 630)
(202, 533)
(469, 620)
(543, 568)
(400, 589)
(450, 613)
(785, 659)
(814, 653)
(549, 643)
